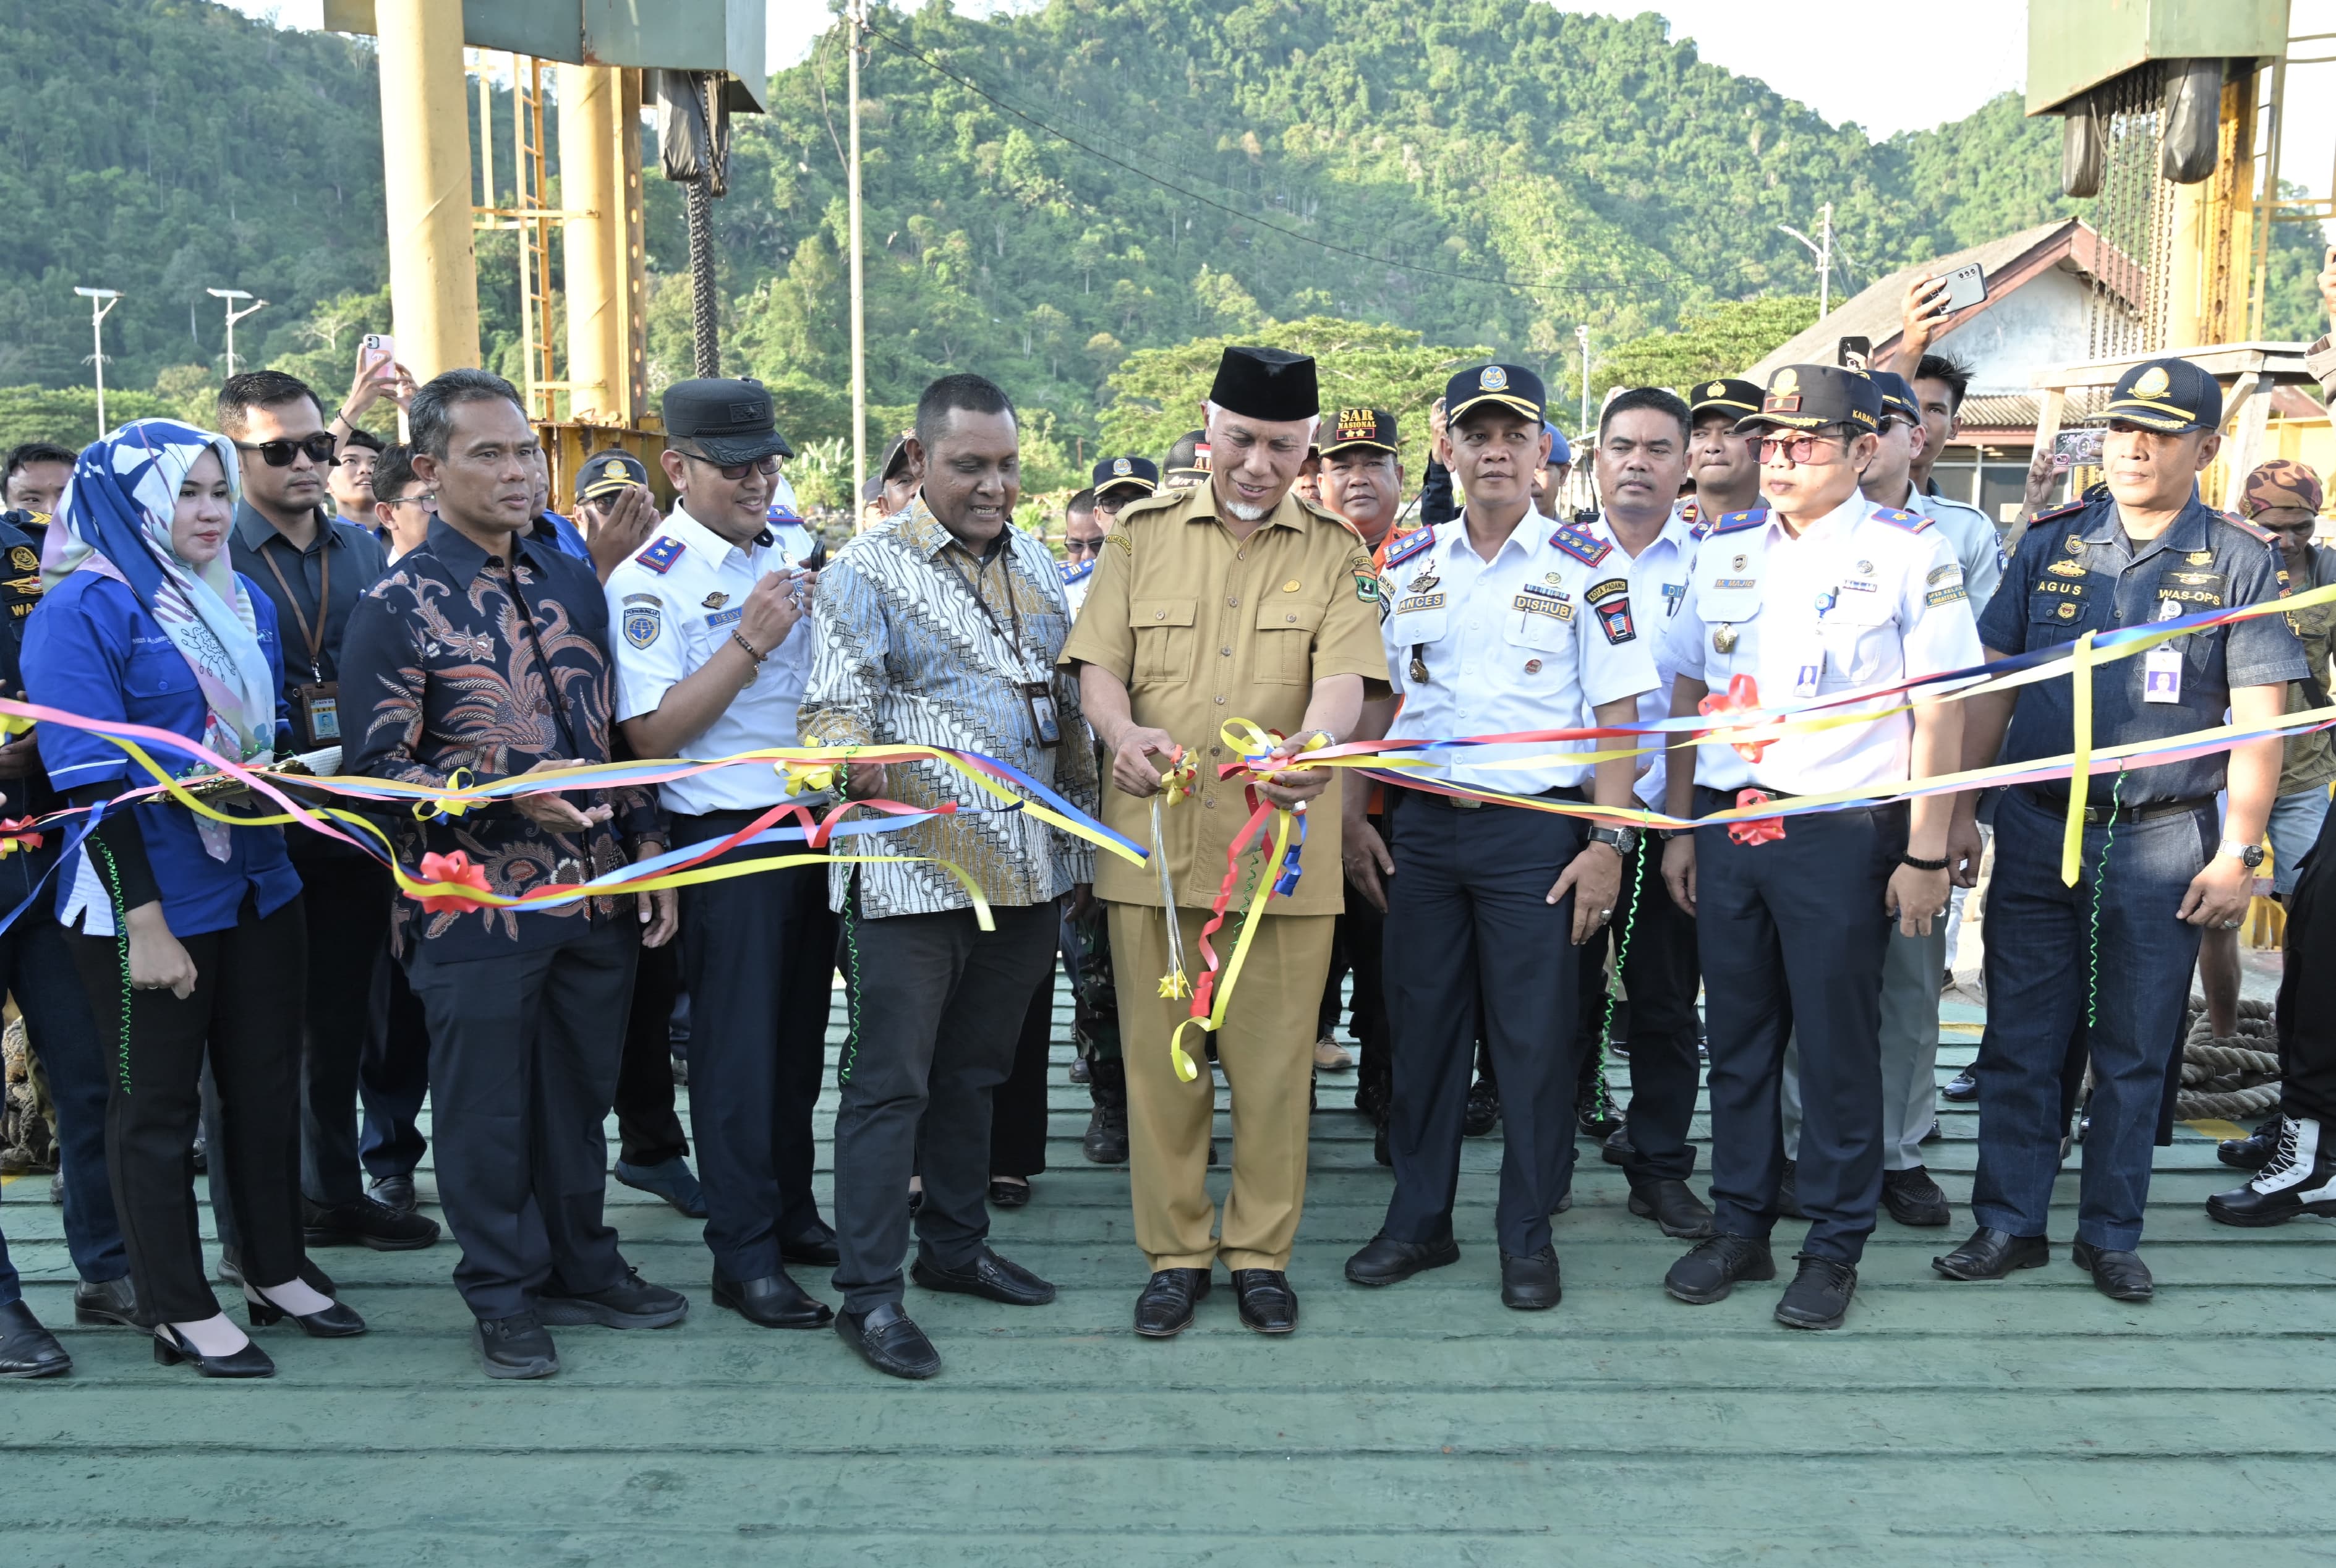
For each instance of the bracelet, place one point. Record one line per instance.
(1922, 865)
(752, 652)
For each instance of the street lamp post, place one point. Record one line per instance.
(1824, 253)
(1581, 333)
(233, 315)
(101, 302)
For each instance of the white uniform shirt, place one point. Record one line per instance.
(1076, 580)
(1858, 600)
(1534, 639)
(1972, 538)
(671, 608)
(1658, 575)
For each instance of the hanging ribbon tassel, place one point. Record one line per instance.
(2080, 760)
(1174, 786)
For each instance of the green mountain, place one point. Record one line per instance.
(1048, 193)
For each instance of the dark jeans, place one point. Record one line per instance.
(1473, 939)
(36, 968)
(1792, 935)
(937, 1004)
(1017, 1115)
(242, 1018)
(523, 1056)
(758, 954)
(1661, 972)
(394, 1075)
(2039, 956)
(648, 1133)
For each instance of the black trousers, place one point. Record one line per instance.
(1362, 935)
(2305, 1017)
(244, 1019)
(1475, 939)
(1793, 935)
(648, 1133)
(1017, 1111)
(936, 1005)
(758, 955)
(393, 1077)
(523, 1054)
(1662, 972)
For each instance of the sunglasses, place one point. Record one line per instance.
(1082, 546)
(736, 471)
(1797, 448)
(319, 449)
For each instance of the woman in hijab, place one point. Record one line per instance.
(187, 932)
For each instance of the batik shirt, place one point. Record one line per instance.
(903, 654)
(446, 668)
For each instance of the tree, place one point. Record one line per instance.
(1723, 341)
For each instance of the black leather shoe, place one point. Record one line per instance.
(1711, 1270)
(106, 1301)
(632, 1303)
(335, 1321)
(1164, 1309)
(28, 1350)
(395, 1193)
(989, 1276)
(1267, 1304)
(170, 1351)
(1617, 1150)
(1992, 1255)
(1009, 1194)
(1530, 1284)
(1597, 1119)
(812, 1250)
(514, 1346)
(1674, 1207)
(774, 1302)
(888, 1341)
(1932, 1133)
(1818, 1297)
(1788, 1192)
(365, 1224)
(2119, 1276)
(1484, 1112)
(1962, 1087)
(2254, 1151)
(1387, 1261)
(1912, 1198)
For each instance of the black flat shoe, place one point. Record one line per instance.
(365, 1224)
(774, 1302)
(395, 1193)
(251, 1361)
(1819, 1295)
(1165, 1308)
(514, 1346)
(1714, 1268)
(1008, 1194)
(1992, 1255)
(991, 1277)
(1267, 1304)
(1912, 1198)
(2119, 1276)
(1387, 1261)
(1674, 1208)
(337, 1321)
(812, 1250)
(1617, 1150)
(632, 1303)
(1530, 1284)
(27, 1349)
(106, 1301)
(888, 1341)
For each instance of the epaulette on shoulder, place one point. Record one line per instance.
(661, 554)
(1698, 530)
(2068, 510)
(1158, 501)
(1078, 574)
(1735, 521)
(1911, 521)
(1589, 552)
(2254, 530)
(1409, 545)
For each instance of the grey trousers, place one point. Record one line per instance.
(1910, 1050)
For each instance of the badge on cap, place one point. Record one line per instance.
(1121, 467)
(1715, 389)
(2153, 381)
(1493, 379)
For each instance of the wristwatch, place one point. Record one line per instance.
(2251, 855)
(1621, 839)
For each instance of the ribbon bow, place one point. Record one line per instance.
(453, 870)
(1759, 830)
(1742, 697)
(16, 833)
(441, 807)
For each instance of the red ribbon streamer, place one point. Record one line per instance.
(1759, 830)
(1742, 697)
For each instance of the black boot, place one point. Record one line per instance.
(1106, 1140)
(2300, 1180)
(2254, 1151)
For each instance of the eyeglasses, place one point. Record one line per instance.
(280, 454)
(736, 471)
(1797, 448)
(1082, 546)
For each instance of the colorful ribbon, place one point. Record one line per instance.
(1761, 830)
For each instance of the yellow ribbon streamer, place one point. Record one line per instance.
(1221, 997)
(2081, 759)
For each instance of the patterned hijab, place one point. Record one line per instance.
(114, 519)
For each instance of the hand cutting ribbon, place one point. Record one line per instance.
(1759, 830)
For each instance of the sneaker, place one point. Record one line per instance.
(1912, 1198)
(366, 1223)
(1819, 1295)
(514, 1346)
(671, 1180)
(1712, 1270)
(632, 1303)
(1962, 1088)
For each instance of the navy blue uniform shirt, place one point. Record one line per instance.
(2074, 573)
(93, 649)
(353, 559)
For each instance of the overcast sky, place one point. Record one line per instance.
(1905, 70)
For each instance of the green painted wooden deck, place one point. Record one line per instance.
(2032, 1421)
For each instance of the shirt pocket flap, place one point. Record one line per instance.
(153, 671)
(1733, 606)
(1144, 612)
(1862, 608)
(1289, 615)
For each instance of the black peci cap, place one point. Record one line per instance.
(608, 471)
(1139, 474)
(1810, 396)
(1510, 387)
(1269, 383)
(1898, 399)
(1350, 428)
(896, 457)
(2167, 395)
(725, 420)
(1729, 395)
(1188, 460)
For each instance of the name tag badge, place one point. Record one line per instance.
(1042, 713)
(1805, 684)
(2161, 679)
(320, 711)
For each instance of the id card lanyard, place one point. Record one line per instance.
(319, 699)
(1037, 696)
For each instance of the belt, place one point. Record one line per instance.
(2102, 816)
(1461, 803)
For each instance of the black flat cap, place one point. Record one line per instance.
(609, 470)
(1188, 460)
(2167, 395)
(1358, 427)
(1139, 474)
(1510, 387)
(1810, 396)
(724, 421)
(1270, 384)
(896, 458)
(1898, 399)
(1729, 395)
